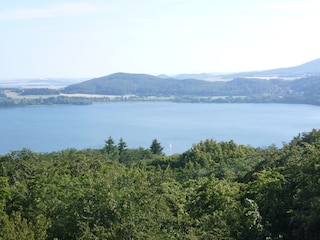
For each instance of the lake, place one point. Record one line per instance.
(177, 126)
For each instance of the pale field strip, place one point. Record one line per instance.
(94, 95)
(15, 95)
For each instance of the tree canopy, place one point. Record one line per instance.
(215, 190)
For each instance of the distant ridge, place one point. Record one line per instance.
(199, 76)
(307, 69)
(311, 68)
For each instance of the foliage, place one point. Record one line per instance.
(215, 190)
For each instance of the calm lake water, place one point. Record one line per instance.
(177, 126)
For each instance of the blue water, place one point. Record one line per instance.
(54, 128)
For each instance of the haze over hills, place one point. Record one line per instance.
(311, 68)
(39, 82)
(143, 87)
(191, 84)
(304, 87)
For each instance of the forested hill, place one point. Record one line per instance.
(140, 84)
(305, 90)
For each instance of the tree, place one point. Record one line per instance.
(109, 146)
(122, 146)
(111, 149)
(156, 147)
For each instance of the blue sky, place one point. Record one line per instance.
(84, 39)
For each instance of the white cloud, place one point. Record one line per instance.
(50, 11)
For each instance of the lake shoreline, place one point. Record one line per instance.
(87, 99)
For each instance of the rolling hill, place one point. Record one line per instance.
(306, 90)
(140, 84)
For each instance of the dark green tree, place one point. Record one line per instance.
(156, 147)
(122, 146)
(109, 145)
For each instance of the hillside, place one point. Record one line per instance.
(148, 85)
(306, 90)
(141, 85)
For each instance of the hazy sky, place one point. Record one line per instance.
(79, 38)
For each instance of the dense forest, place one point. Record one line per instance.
(215, 190)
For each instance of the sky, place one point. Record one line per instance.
(84, 39)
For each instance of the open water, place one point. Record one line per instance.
(177, 126)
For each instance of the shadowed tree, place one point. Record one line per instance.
(156, 147)
(109, 146)
(122, 146)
